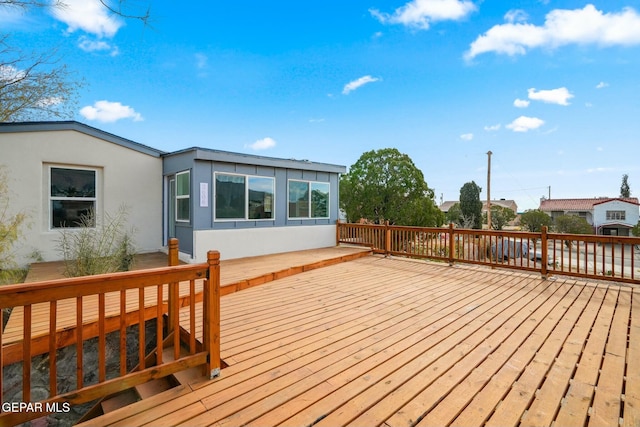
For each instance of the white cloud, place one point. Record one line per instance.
(599, 169)
(420, 13)
(51, 101)
(562, 27)
(88, 45)
(492, 128)
(262, 144)
(89, 16)
(355, 84)
(107, 111)
(10, 74)
(602, 85)
(516, 15)
(525, 124)
(466, 136)
(560, 96)
(521, 103)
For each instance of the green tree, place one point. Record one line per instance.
(625, 191)
(386, 185)
(453, 214)
(572, 224)
(470, 204)
(534, 219)
(500, 216)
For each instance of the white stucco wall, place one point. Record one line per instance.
(124, 177)
(238, 243)
(600, 212)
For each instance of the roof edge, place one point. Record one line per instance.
(52, 126)
(211, 154)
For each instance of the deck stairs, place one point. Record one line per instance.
(146, 390)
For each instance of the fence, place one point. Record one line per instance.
(598, 257)
(64, 312)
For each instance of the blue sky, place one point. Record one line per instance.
(551, 87)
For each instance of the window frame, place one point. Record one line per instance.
(247, 178)
(616, 215)
(51, 198)
(183, 197)
(310, 201)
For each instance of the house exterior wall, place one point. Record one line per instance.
(239, 243)
(632, 215)
(238, 238)
(124, 177)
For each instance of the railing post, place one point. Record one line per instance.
(387, 239)
(211, 315)
(173, 293)
(451, 244)
(337, 232)
(545, 252)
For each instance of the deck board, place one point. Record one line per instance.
(388, 341)
(632, 386)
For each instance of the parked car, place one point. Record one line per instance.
(509, 248)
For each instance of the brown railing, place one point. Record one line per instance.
(60, 313)
(598, 257)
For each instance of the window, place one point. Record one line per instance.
(616, 215)
(242, 197)
(308, 199)
(183, 196)
(72, 196)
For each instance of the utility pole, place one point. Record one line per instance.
(489, 153)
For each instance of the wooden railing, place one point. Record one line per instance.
(599, 257)
(108, 303)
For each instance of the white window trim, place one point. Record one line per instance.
(52, 198)
(616, 215)
(246, 198)
(183, 221)
(305, 218)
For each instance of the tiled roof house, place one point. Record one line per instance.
(610, 216)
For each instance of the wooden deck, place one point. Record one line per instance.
(235, 274)
(394, 342)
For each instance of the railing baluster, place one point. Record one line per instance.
(613, 257)
(192, 317)
(141, 329)
(176, 319)
(632, 248)
(53, 374)
(159, 313)
(102, 340)
(622, 260)
(123, 332)
(79, 344)
(173, 295)
(26, 354)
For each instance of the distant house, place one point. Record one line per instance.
(508, 204)
(608, 216)
(239, 204)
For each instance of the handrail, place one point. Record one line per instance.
(610, 258)
(131, 296)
